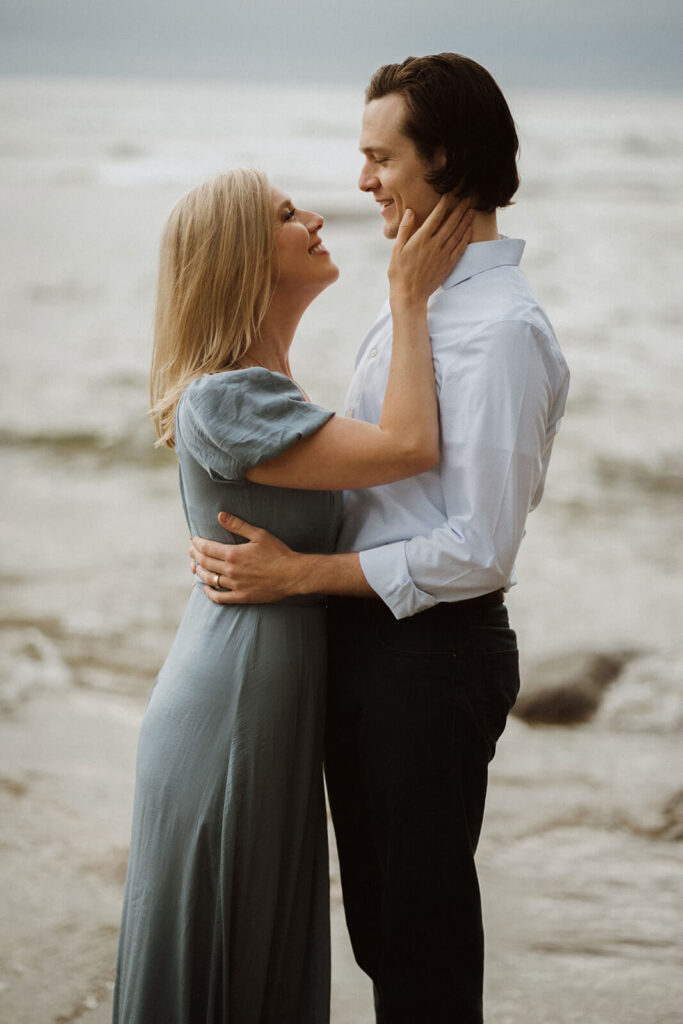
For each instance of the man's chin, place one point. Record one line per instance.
(390, 230)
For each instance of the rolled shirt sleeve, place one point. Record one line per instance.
(500, 410)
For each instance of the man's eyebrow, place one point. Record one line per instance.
(373, 149)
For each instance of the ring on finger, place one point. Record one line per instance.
(216, 580)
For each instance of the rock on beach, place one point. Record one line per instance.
(568, 688)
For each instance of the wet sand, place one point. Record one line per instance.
(572, 937)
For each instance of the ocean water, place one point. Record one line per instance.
(88, 172)
(94, 566)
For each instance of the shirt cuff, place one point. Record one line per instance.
(386, 570)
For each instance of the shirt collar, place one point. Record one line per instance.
(481, 256)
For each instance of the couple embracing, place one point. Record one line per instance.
(370, 634)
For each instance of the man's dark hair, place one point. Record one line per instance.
(454, 103)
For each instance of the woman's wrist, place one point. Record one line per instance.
(405, 302)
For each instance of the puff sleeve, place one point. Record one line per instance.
(230, 422)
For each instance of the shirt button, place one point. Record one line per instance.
(373, 353)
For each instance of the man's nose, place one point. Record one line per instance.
(367, 180)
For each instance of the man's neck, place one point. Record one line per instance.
(485, 227)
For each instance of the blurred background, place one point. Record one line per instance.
(109, 112)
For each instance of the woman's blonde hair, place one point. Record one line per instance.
(215, 273)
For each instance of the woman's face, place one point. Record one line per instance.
(302, 261)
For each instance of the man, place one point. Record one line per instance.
(421, 681)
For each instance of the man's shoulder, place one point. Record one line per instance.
(499, 302)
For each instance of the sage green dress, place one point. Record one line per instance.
(226, 908)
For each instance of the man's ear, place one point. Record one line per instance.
(439, 159)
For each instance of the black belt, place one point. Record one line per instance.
(444, 609)
(446, 612)
(495, 597)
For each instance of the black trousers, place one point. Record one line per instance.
(415, 708)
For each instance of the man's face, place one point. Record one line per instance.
(393, 171)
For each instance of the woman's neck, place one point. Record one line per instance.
(259, 355)
(276, 334)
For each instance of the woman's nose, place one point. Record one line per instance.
(314, 221)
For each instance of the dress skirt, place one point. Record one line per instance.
(226, 908)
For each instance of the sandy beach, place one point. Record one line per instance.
(581, 891)
(581, 855)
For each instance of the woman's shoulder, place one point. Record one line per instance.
(244, 395)
(249, 380)
(233, 420)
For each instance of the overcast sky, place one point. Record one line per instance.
(609, 44)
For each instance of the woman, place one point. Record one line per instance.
(226, 915)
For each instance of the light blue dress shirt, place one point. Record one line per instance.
(453, 533)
